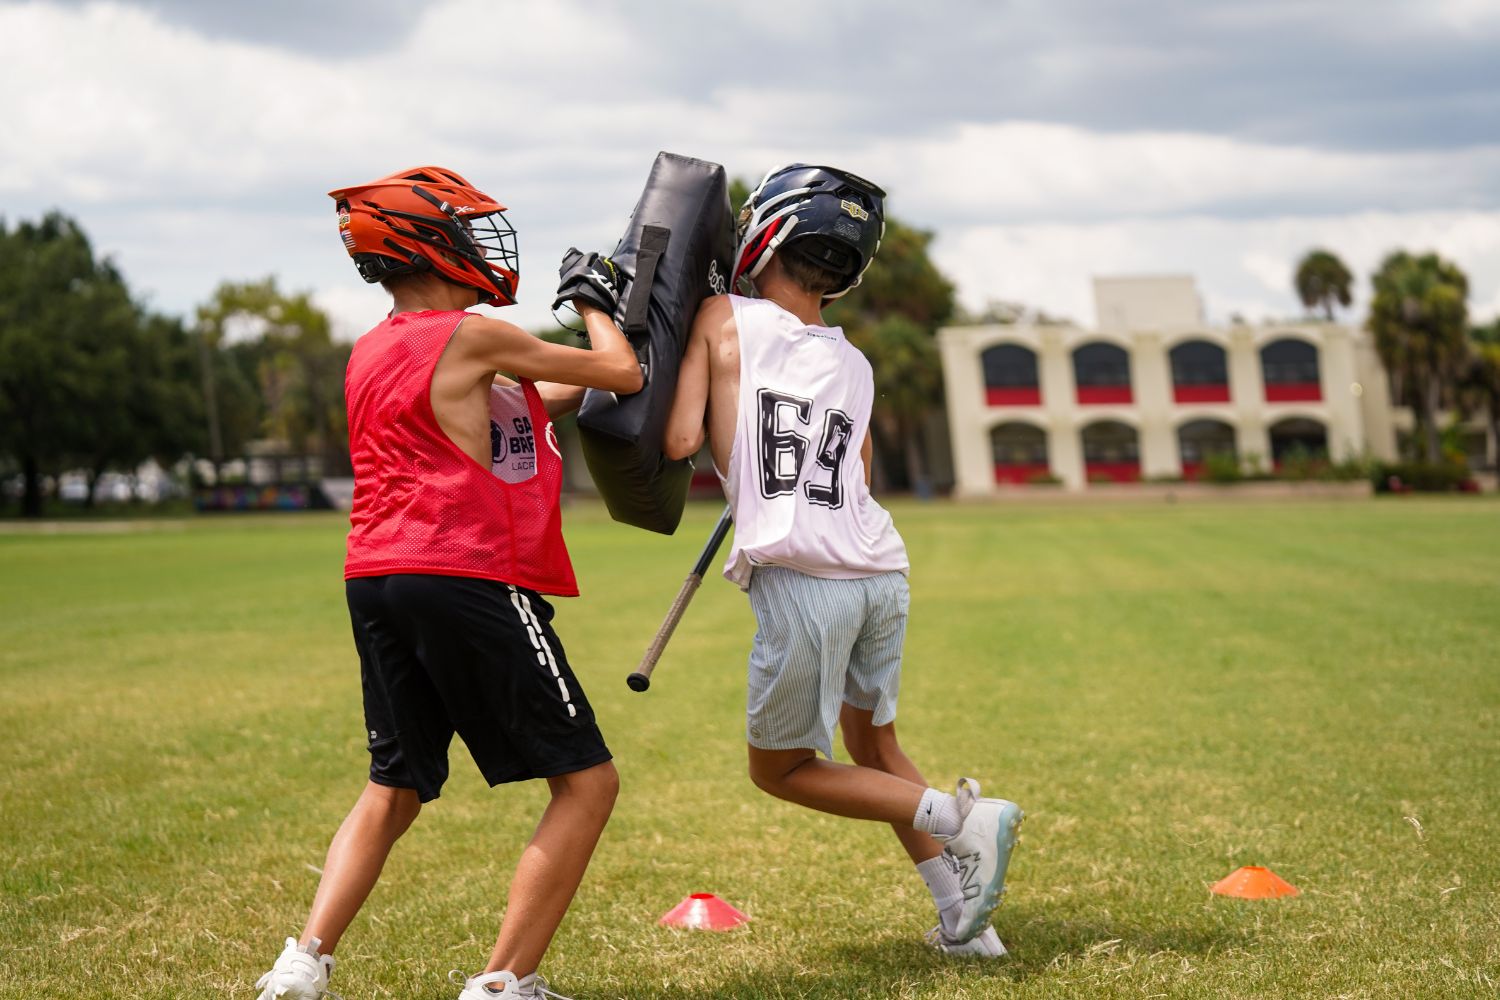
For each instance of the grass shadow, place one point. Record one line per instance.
(891, 968)
(1044, 942)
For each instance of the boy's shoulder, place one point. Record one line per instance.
(715, 315)
(717, 305)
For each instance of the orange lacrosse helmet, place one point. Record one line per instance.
(430, 219)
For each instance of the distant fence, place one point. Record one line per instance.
(262, 497)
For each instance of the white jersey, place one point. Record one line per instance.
(796, 480)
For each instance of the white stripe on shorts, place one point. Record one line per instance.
(538, 639)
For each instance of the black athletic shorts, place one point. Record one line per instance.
(446, 654)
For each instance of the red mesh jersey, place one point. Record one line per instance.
(423, 506)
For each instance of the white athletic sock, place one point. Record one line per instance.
(942, 882)
(938, 815)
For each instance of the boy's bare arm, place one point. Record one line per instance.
(494, 345)
(685, 424)
(867, 455)
(559, 399)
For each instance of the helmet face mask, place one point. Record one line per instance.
(430, 220)
(834, 218)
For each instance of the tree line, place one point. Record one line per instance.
(91, 379)
(1419, 318)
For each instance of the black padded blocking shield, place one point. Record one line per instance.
(677, 248)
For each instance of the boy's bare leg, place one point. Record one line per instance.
(875, 747)
(355, 858)
(552, 866)
(841, 789)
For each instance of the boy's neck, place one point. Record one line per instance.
(427, 292)
(806, 306)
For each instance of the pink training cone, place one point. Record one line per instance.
(1254, 882)
(703, 911)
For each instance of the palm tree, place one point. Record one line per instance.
(1481, 388)
(1323, 280)
(1419, 316)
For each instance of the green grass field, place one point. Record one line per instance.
(1170, 692)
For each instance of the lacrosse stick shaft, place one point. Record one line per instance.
(641, 679)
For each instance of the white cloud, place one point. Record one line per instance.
(196, 159)
(1270, 270)
(1015, 171)
(1465, 15)
(1242, 266)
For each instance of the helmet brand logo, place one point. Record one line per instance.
(345, 233)
(855, 209)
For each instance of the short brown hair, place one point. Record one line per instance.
(807, 273)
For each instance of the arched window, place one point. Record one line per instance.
(1111, 452)
(1200, 372)
(1020, 453)
(1298, 439)
(1101, 373)
(1290, 370)
(1200, 440)
(1010, 376)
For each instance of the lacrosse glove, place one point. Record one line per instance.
(591, 278)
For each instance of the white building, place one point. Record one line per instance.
(1156, 392)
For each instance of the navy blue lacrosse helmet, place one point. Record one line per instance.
(833, 217)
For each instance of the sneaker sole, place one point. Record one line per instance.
(1011, 818)
(963, 950)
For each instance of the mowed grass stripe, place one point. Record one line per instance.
(1170, 691)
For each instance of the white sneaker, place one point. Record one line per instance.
(985, 945)
(299, 974)
(479, 987)
(981, 852)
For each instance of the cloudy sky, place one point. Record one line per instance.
(1043, 141)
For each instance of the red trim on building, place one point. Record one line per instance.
(1192, 470)
(1293, 392)
(1200, 393)
(1115, 472)
(1095, 394)
(704, 484)
(1013, 395)
(1020, 473)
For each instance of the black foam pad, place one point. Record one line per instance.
(677, 250)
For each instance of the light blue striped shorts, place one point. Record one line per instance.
(822, 643)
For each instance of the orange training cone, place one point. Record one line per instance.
(703, 911)
(1254, 882)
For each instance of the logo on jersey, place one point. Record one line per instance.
(716, 282)
(512, 449)
(512, 438)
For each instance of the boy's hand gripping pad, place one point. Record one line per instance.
(676, 251)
